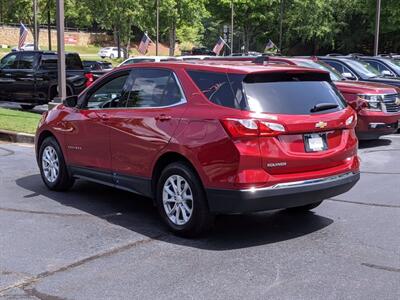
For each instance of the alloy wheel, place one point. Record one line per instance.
(50, 164)
(177, 200)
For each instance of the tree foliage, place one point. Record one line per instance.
(309, 26)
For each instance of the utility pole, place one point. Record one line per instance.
(35, 25)
(157, 24)
(377, 23)
(49, 23)
(232, 14)
(62, 89)
(281, 25)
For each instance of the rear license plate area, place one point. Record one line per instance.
(315, 142)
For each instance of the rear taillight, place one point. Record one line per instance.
(89, 79)
(237, 128)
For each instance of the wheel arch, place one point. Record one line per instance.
(42, 136)
(166, 159)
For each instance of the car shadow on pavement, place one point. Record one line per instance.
(138, 214)
(374, 143)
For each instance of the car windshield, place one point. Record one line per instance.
(394, 64)
(335, 76)
(364, 69)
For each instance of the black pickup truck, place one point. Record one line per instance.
(30, 77)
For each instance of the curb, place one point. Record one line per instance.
(17, 137)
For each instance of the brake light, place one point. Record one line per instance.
(89, 79)
(237, 128)
(270, 129)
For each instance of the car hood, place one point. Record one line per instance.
(360, 87)
(394, 82)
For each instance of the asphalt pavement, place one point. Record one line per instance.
(95, 242)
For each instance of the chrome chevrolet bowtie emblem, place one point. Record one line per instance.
(321, 124)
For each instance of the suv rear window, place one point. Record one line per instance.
(280, 93)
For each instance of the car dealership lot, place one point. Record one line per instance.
(95, 242)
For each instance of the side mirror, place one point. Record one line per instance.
(71, 101)
(348, 75)
(387, 73)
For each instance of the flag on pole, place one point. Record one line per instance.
(144, 44)
(270, 46)
(23, 33)
(219, 46)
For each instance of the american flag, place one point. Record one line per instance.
(23, 33)
(219, 46)
(144, 44)
(270, 45)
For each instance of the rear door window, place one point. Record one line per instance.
(27, 61)
(154, 88)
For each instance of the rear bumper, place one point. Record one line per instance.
(279, 196)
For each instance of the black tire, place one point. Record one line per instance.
(201, 220)
(304, 208)
(63, 181)
(111, 56)
(27, 107)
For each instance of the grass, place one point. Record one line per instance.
(18, 121)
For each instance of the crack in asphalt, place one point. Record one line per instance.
(29, 281)
(363, 203)
(9, 152)
(390, 269)
(43, 212)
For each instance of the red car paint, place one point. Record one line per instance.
(350, 90)
(130, 142)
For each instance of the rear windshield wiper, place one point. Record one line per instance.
(323, 106)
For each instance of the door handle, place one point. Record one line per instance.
(163, 118)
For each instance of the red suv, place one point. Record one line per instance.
(203, 139)
(377, 105)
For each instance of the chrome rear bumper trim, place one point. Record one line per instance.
(303, 183)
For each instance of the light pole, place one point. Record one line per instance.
(377, 21)
(35, 25)
(281, 25)
(49, 24)
(62, 89)
(232, 14)
(157, 24)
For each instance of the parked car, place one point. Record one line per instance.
(26, 47)
(110, 52)
(387, 66)
(142, 59)
(377, 105)
(354, 69)
(205, 139)
(202, 51)
(97, 68)
(30, 77)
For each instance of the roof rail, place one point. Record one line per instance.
(260, 60)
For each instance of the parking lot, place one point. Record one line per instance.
(96, 242)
